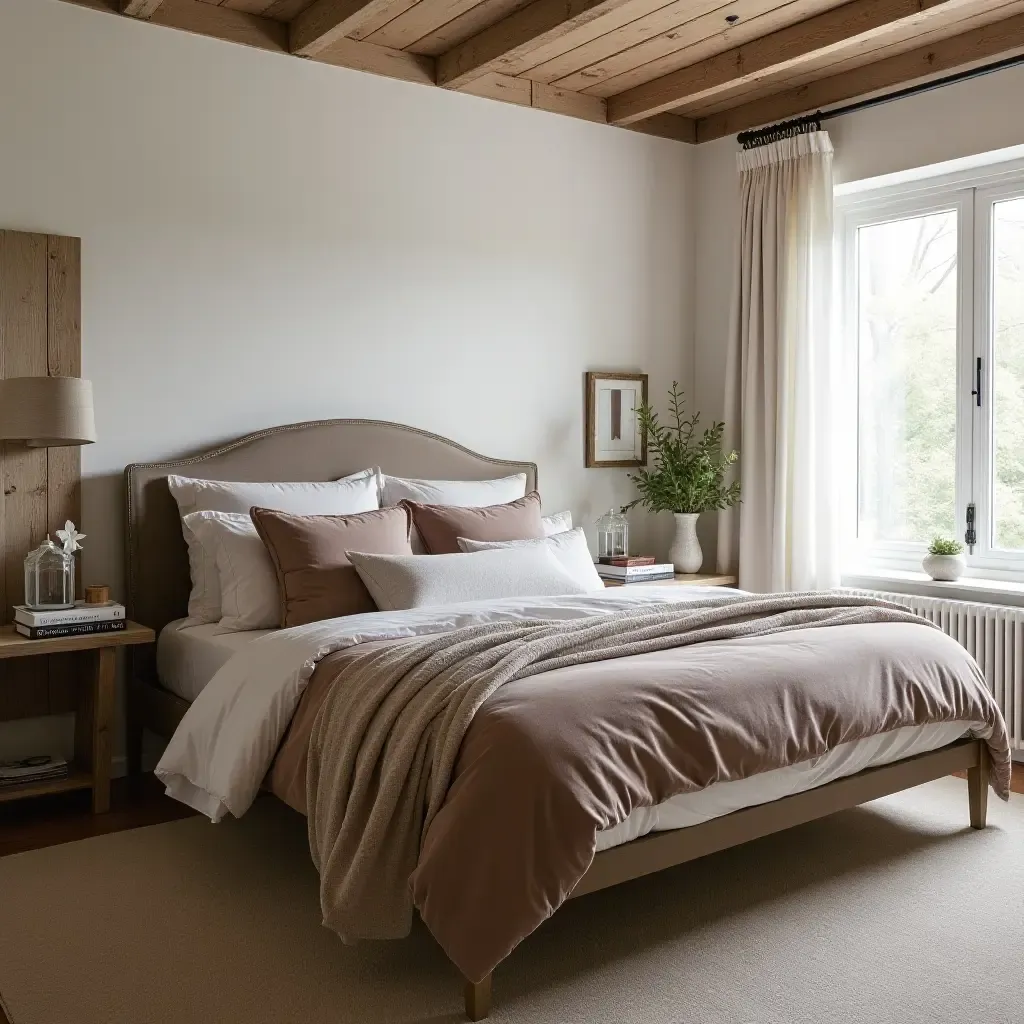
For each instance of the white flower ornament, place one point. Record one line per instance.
(70, 538)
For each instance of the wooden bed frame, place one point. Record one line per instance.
(158, 585)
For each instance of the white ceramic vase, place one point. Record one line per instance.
(944, 567)
(685, 552)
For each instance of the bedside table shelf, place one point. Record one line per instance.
(14, 645)
(77, 778)
(94, 717)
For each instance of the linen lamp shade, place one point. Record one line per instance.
(46, 412)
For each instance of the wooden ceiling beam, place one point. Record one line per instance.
(144, 9)
(498, 48)
(324, 22)
(982, 45)
(234, 26)
(524, 93)
(222, 23)
(667, 126)
(825, 33)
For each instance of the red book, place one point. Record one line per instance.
(629, 561)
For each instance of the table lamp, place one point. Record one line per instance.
(46, 412)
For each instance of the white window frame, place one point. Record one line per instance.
(972, 194)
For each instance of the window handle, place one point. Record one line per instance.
(977, 382)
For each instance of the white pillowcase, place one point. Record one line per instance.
(558, 523)
(247, 580)
(356, 493)
(415, 581)
(462, 493)
(569, 548)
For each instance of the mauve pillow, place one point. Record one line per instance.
(315, 579)
(441, 526)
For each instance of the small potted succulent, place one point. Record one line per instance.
(945, 560)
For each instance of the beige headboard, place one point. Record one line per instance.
(155, 553)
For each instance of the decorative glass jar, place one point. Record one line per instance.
(49, 577)
(612, 536)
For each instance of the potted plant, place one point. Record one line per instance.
(687, 478)
(945, 560)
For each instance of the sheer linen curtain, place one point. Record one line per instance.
(780, 372)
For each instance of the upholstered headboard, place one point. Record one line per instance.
(155, 553)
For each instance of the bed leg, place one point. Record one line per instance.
(977, 788)
(478, 998)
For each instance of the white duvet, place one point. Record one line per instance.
(225, 744)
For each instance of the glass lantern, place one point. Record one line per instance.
(612, 536)
(49, 577)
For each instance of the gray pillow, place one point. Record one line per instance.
(569, 548)
(415, 581)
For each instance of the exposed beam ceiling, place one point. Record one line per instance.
(238, 26)
(676, 68)
(498, 47)
(1000, 39)
(857, 21)
(326, 21)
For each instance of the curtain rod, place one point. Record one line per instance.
(812, 122)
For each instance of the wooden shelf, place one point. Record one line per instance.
(77, 778)
(14, 645)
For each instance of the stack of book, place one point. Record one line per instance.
(78, 621)
(634, 569)
(41, 768)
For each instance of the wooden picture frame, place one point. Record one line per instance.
(601, 452)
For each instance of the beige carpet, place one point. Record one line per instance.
(890, 914)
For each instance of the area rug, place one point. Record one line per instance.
(894, 913)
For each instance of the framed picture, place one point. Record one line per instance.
(613, 436)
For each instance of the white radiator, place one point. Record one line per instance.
(994, 635)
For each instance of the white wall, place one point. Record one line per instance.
(980, 116)
(268, 240)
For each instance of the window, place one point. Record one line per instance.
(933, 310)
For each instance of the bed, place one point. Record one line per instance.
(671, 833)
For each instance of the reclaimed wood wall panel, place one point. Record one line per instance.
(40, 334)
(64, 465)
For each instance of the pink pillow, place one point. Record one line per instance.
(315, 579)
(441, 526)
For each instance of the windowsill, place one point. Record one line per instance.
(964, 589)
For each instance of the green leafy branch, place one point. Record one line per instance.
(689, 465)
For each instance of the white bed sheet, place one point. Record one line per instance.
(187, 659)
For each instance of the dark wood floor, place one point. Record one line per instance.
(63, 818)
(47, 821)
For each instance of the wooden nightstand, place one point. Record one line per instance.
(682, 579)
(94, 719)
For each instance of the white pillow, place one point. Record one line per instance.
(414, 581)
(569, 547)
(462, 493)
(355, 493)
(247, 580)
(558, 523)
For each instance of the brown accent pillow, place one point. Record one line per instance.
(440, 526)
(314, 578)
